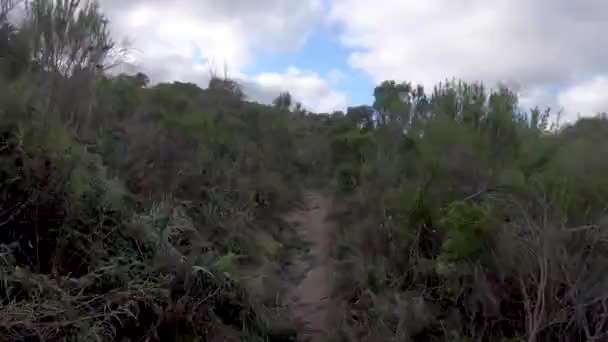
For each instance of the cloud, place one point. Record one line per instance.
(168, 68)
(533, 43)
(538, 45)
(222, 31)
(541, 97)
(586, 98)
(187, 39)
(336, 76)
(305, 86)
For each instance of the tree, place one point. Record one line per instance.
(362, 116)
(283, 101)
(67, 36)
(392, 101)
(6, 6)
(141, 80)
(226, 87)
(14, 52)
(539, 119)
(299, 108)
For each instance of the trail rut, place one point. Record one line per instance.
(310, 299)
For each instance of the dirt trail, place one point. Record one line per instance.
(310, 299)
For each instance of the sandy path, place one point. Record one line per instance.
(309, 300)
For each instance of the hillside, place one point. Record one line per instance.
(132, 211)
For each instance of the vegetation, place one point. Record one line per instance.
(139, 212)
(466, 219)
(129, 211)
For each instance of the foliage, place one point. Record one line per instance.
(142, 212)
(67, 36)
(283, 101)
(133, 212)
(455, 215)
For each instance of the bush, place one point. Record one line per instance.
(471, 216)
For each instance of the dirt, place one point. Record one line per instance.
(309, 300)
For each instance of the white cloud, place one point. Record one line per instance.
(586, 98)
(540, 97)
(336, 76)
(223, 31)
(305, 86)
(167, 68)
(184, 40)
(533, 43)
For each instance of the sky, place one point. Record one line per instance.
(331, 53)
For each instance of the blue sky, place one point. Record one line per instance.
(331, 53)
(323, 53)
